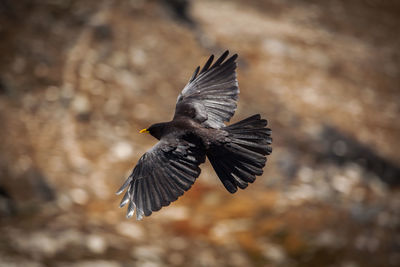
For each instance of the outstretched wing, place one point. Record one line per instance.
(162, 174)
(211, 94)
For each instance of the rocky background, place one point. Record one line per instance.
(78, 79)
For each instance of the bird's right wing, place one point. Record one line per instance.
(211, 94)
(162, 174)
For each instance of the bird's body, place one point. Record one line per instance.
(197, 130)
(180, 127)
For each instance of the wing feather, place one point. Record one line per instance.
(213, 90)
(138, 200)
(208, 64)
(196, 71)
(182, 183)
(162, 175)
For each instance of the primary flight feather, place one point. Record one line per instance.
(237, 152)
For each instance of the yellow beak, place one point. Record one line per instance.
(144, 131)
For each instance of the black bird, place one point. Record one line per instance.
(237, 152)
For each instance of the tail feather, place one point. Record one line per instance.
(240, 160)
(251, 122)
(260, 147)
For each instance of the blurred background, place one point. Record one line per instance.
(79, 79)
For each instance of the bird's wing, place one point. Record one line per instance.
(211, 94)
(162, 174)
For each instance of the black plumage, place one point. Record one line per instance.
(236, 152)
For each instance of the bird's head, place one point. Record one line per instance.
(155, 130)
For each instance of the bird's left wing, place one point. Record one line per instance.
(162, 174)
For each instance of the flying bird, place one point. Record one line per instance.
(237, 152)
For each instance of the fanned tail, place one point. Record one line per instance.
(240, 160)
